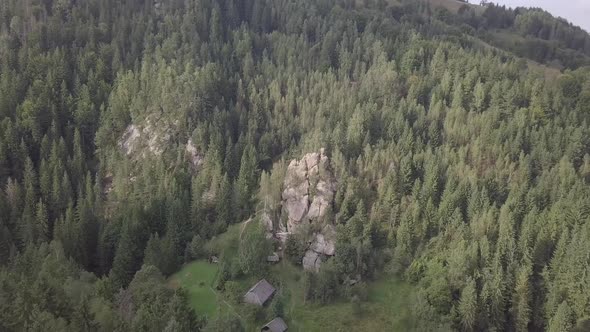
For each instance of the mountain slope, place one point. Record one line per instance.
(136, 135)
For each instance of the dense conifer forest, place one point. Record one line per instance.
(134, 133)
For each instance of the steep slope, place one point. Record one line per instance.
(447, 162)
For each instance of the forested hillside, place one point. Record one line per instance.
(134, 134)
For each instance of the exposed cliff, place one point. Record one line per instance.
(308, 194)
(309, 190)
(154, 137)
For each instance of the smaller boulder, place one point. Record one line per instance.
(325, 242)
(267, 222)
(312, 261)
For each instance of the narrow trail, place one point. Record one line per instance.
(244, 227)
(219, 298)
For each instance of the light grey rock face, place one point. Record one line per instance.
(195, 159)
(325, 242)
(308, 194)
(312, 261)
(297, 207)
(308, 190)
(318, 207)
(149, 137)
(130, 140)
(267, 222)
(152, 137)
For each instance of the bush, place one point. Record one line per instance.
(295, 248)
(277, 308)
(225, 322)
(361, 291)
(233, 291)
(254, 313)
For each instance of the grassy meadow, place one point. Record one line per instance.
(198, 279)
(386, 304)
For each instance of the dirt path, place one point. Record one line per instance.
(219, 298)
(244, 227)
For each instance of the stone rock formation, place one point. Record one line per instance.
(309, 189)
(153, 137)
(149, 138)
(325, 241)
(195, 159)
(323, 244)
(312, 261)
(307, 198)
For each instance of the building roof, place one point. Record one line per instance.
(273, 258)
(259, 293)
(275, 325)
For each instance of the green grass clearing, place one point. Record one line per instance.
(226, 243)
(198, 278)
(386, 306)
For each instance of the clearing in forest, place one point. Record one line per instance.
(198, 278)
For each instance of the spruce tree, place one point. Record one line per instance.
(247, 181)
(42, 222)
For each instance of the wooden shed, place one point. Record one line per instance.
(275, 325)
(260, 293)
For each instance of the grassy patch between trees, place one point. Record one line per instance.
(198, 279)
(386, 306)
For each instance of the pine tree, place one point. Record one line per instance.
(224, 206)
(45, 180)
(153, 252)
(522, 299)
(77, 167)
(247, 181)
(253, 250)
(479, 97)
(125, 263)
(406, 174)
(562, 321)
(468, 306)
(42, 222)
(180, 310)
(356, 224)
(30, 184)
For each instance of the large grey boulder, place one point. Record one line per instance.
(312, 261)
(325, 242)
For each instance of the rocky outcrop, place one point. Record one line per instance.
(129, 143)
(312, 261)
(309, 189)
(142, 140)
(322, 245)
(308, 195)
(195, 159)
(153, 137)
(324, 242)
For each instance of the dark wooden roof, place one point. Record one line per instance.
(259, 293)
(275, 325)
